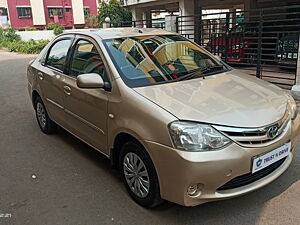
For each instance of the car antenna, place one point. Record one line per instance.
(140, 31)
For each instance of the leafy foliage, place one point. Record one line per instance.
(92, 21)
(28, 28)
(57, 28)
(12, 42)
(51, 26)
(8, 35)
(117, 14)
(25, 47)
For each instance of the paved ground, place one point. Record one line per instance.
(75, 185)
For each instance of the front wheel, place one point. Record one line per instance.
(139, 175)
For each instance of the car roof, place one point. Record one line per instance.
(109, 33)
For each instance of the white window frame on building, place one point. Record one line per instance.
(4, 18)
(68, 9)
(24, 12)
(86, 11)
(59, 11)
(3, 11)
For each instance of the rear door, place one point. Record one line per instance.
(50, 77)
(86, 109)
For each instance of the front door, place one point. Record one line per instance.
(86, 109)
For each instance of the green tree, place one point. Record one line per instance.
(117, 14)
(92, 21)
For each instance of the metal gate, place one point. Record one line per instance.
(262, 42)
(153, 23)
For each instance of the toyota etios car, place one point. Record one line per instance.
(178, 123)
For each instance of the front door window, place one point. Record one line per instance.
(86, 59)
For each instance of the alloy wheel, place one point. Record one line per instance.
(41, 114)
(136, 175)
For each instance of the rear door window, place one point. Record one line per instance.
(57, 55)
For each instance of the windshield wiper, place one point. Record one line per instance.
(202, 72)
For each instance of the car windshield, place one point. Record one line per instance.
(149, 60)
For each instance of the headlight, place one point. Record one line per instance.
(292, 107)
(195, 137)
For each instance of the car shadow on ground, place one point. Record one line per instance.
(243, 210)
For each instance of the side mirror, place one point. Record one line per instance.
(43, 61)
(90, 80)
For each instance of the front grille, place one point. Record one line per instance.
(255, 137)
(251, 177)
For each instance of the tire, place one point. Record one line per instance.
(151, 198)
(46, 125)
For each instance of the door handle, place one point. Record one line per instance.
(40, 76)
(67, 90)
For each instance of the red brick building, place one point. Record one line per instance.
(38, 13)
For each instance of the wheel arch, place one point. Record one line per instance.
(34, 96)
(120, 139)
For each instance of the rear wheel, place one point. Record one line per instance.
(46, 125)
(139, 175)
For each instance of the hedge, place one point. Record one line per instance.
(25, 47)
(57, 28)
(10, 41)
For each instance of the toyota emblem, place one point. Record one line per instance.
(272, 132)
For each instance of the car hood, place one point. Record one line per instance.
(231, 98)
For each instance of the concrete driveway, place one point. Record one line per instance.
(57, 179)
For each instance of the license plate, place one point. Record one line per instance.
(262, 161)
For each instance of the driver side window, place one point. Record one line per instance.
(86, 59)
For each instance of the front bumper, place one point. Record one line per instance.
(177, 170)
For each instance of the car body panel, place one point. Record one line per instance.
(98, 116)
(213, 169)
(48, 83)
(110, 33)
(86, 113)
(52, 91)
(129, 109)
(217, 100)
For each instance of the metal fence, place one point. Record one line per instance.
(153, 23)
(262, 42)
